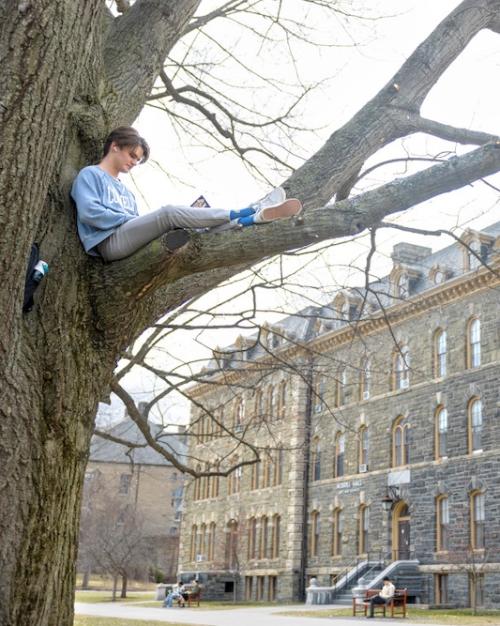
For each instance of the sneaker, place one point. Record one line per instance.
(176, 239)
(274, 197)
(288, 208)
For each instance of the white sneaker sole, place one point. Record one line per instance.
(288, 208)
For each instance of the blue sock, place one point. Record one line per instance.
(233, 215)
(247, 221)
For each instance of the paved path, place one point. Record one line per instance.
(242, 616)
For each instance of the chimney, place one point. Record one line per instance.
(409, 254)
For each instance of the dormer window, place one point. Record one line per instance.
(477, 247)
(403, 286)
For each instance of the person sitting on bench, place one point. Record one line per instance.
(386, 594)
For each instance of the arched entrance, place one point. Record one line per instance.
(400, 531)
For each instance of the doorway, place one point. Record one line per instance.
(401, 532)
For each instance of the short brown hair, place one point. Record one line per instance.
(124, 137)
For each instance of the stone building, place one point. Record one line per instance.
(376, 422)
(139, 481)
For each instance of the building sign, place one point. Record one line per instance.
(349, 486)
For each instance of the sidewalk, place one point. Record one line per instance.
(242, 616)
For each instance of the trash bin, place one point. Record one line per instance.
(160, 592)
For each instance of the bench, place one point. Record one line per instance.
(194, 598)
(396, 605)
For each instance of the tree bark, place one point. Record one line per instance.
(69, 73)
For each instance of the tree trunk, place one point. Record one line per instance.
(86, 577)
(67, 78)
(124, 586)
(115, 587)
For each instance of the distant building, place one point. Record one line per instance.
(377, 423)
(142, 480)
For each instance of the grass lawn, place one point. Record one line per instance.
(207, 606)
(453, 617)
(91, 597)
(90, 620)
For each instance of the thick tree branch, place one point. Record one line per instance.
(379, 122)
(136, 47)
(137, 278)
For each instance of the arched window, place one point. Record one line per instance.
(258, 406)
(234, 478)
(231, 548)
(252, 538)
(363, 529)
(316, 459)
(202, 541)
(214, 484)
(400, 443)
(442, 524)
(197, 484)
(263, 537)
(239, 411)
(271, 403)
(401, 369)
(314, 533)
(275, 541)
(473, 343)
(477, 517)
(365, 380)
(278, 466)
(340, 387)
(441, 426)
(318, 394)
(363, 449)
(338, 461)
(337, 528)
(475, 425)
(254, 482)
(440, 353)
(282, 399)
(211, 541)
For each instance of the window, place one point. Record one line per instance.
(239, 411)
(263, 537)
(316, 460)
(440, 353)
(231, 547)
(475, 425)
(214, 485)
(477, 517)
(271, 403)
(234, 479)
(476, 589)
(340, 386)
(442, 524)
(365, 381)
(197, 484)
(338, 461)
(441, 588)
(337, 527)
(272, 585)
(363, 529)
(401, 369)
(252, 538)
(441, 421)
(275, 539)
(278, 467)
(400, 443)
(192, 548)
(211, 541)
(318, 393)
(254, 482)
(314, 534)
(202, 541)
(268, 470)
(473, 343)
(363, 449)
(124, 487)
(471, 260)
(259, 595)
(282, 399)
(248, 587)
(258, 406)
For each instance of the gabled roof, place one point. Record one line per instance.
(111, 452)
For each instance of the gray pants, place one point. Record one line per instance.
(139, 231)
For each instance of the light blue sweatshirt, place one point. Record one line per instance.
(103, 203)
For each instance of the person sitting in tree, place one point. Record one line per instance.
(107, 218)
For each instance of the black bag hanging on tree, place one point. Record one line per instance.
(34, 274)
